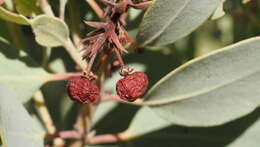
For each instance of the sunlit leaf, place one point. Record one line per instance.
(211, 90)
(50, 31)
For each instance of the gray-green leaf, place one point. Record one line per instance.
(50, 31)
(144, 117)
(213, 89)
(242, 132)
(17, 128)
(169, 20)
(20, 73)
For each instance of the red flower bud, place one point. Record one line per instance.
(132, 86)
(82, 90)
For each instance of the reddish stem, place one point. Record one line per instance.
(107, 97)
(69, 134)
(90, 64)
(107, 138)
(119, 57)
(59, 77)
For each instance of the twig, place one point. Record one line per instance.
(60, 77)
(106, 138)
(96, 8)
(46, 8)
(107, 97)
(81, 125)
(46, 118)
(44, 113)
(71, 134)
(91, 138)
(62, 8)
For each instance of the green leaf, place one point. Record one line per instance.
(27, 7)
(12, 17)
(16, 126)
(169, 20)
(50, 31)
(20, 73)
(211, 90)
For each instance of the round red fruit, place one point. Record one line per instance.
(82, 90)
(132, 86)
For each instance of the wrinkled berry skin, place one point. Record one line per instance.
(82, 90)
(132, 86)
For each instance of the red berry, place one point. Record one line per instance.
(132, 86)
(82, 90)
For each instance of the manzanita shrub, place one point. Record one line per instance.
(178, 73)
